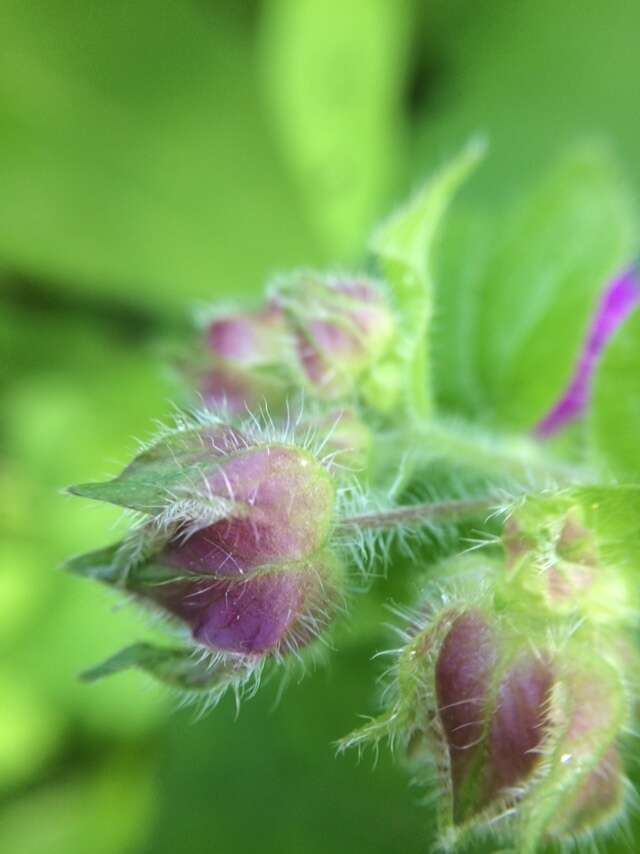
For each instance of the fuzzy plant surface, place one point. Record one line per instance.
(464, 409)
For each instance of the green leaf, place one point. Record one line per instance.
(461, 254)
(614, 422)
(403, 246)
(180, 667)
(333, 78)
(552, 258)
(129, 131)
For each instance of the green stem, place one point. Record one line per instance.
(418, 514)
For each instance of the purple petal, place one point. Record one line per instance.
(618, 301)
(463, 679)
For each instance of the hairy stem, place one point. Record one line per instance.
(417, 514)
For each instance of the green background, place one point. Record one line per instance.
(157, 155)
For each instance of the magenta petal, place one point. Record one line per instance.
(618, 301)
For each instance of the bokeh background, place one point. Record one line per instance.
(155, 155)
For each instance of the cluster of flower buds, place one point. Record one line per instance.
(517, 728)
(513, 695)
(232, 543)
(321, 333)
(510, 693)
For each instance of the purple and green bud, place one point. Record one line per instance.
(245, 352)
(574, 553)
(620, 298)
(341, 327)
(234, 544)
(321, 333)
(518, 728)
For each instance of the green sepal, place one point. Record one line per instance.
(574, 750)
(575, 551)
(177, 666)
(169, 471)
(115, 565)
(403, 247)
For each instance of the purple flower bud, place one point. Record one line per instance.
(492, 720)
(249, 339)
(283, 505)
(260, 578)
(247, 350)
(269, 610)
(521, 728)
(341, 327)
(236, 545)
(620, 298)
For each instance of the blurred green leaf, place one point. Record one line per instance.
(614, 423)
(461, 254)
(333, 74)
(106, 810)
(521, 315)
(133, 153)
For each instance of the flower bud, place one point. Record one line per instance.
(235, 546)
(463, 674)
(252, 338)
(271, 610)
(570, 553)
(246, 351)
(342, 326)
(520, 729)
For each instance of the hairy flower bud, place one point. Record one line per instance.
(341, 327)
(252, 338)
(520, 728)
(574, 553)
(246, 352)
(235, 543)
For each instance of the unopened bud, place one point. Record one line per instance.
(521, 729)
(236, 545)
(341, 327)
(247, 351)
(567, 553)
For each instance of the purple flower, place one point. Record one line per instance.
(618, 301)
